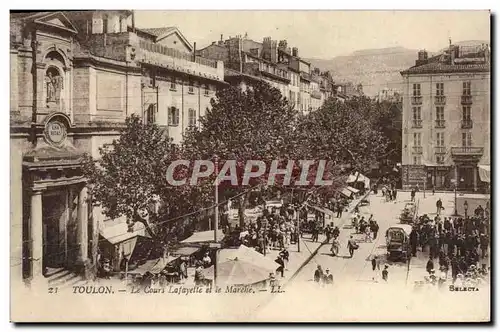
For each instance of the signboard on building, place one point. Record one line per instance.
(56, 132)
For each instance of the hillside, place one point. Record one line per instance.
(375, 68)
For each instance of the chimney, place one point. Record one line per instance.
(221, 37)
(194, 52)
(295, 51)
(453, 53)
(213, 43)
(422, 58)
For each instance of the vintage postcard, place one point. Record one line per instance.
(250, 166)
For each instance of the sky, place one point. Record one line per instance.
(326, 34)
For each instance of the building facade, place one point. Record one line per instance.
(275, 63)
(75, 77)
(446, 119)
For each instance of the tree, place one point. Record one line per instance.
(343, 133)
(255, 124)
(129, 179)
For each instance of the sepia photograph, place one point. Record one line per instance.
(250, 166)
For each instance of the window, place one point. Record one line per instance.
(207, 90)
(417, 160)
(440, 159)
(466, 88)
(417, 139)
(191, 88)
(466, 116)
(467, 139)
(440, 113)
(191, 117)
(173, 116)
(173, 86)
(439, 89)
(417, 113)
(416, 89)
(151, 114)
(439, 139)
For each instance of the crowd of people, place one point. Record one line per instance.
(458, 246)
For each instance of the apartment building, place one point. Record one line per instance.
(446, 119)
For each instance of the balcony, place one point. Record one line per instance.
(440, 123)
(440, 100)
(172, 59)
(315, 94)
(440, 150)
(416, 123)
(467, 151)
(417, 149)
(466, 100)
(416, 100)
(467, 124)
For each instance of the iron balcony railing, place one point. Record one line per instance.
(466, 100)
(440, 123)
(416, 100)
(467, 124)
(440, 100)
(416, 123)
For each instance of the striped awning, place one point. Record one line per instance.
(485, 173)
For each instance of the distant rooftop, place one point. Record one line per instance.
(456, 59)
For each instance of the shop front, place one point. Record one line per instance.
(439, 177)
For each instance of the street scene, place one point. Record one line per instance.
(250, 170)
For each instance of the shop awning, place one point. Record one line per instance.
(206, 236)
(185, 251)
(354, 190)
(322, 210)
(153, 266)
(346, 192)
(485, 173)
(116, 230)
(358, 177)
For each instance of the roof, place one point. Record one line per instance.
(206, 236)
(116, 230)
(157, 32)
(406, 228)
(163, 32)
(439, 67)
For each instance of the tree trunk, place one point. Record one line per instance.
(241, 209)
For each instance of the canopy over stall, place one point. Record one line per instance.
(206, 236)
(485, 173)
(358, 177)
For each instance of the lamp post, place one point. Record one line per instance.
(216, 223)
(466, 207)
(456, 188)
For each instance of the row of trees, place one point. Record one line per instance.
(256, 124)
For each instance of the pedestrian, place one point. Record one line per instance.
(352, 246)
(394, 193)
(281, 263)
(286, 256)
(374, 228)
(430, 265)
(328, 277)
(439, 206)
(385, 273)
(318, 274)
(412, 194)
(368, 234)
(340, 208)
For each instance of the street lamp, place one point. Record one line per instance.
(466, 207)
(456, 188)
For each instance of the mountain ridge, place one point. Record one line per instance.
(377, 68)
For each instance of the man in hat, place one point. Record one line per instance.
(352, 245)
(385, 273)
(318, 274)
(281, 263)
(328, 277)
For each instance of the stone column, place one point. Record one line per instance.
(456, 175)
(36, 236)
(474, 177)
(82, 227)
